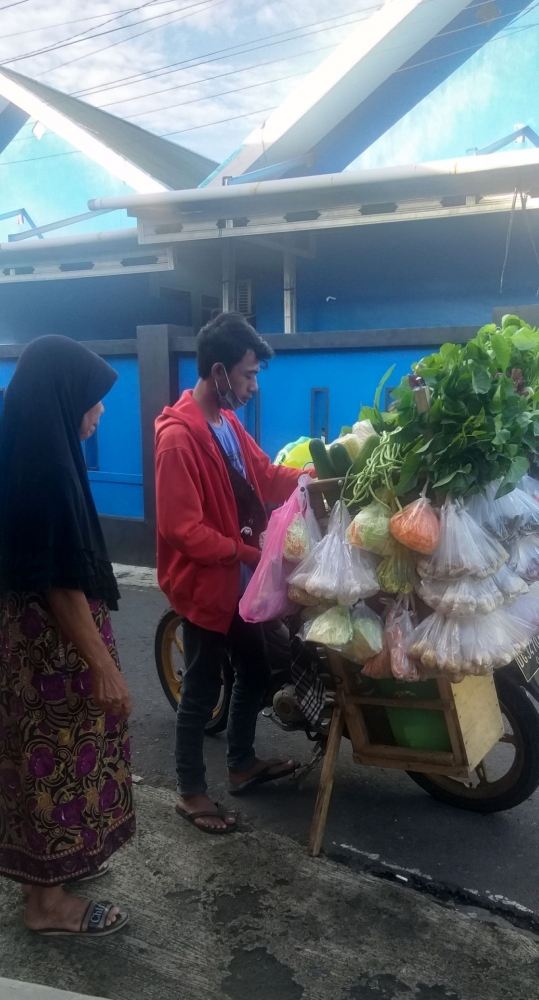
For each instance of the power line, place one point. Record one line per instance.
(247, 48)
(170, 68)
(79, 20)
(17, 4)
(74, 152)
(498, 37)
(217, 76)
(139, 97)
(75, 39)
(214, 97)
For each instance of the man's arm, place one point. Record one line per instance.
(72, 613)
(179, 514)
(276, 482)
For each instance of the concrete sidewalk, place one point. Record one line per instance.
(251, 917)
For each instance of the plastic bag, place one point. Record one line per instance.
(525, 612)
(266, 596)
(524, 559)
(465, 548)
(370, 529)
(335, 571)
(416, 527)
(363, 429)
(530, 486)
(296, 455)
(463, 597)
(367, 635)
(396, 573)
(303, 532)
(463, 646)
(399, 627)
(511, 585)
(378, 666)
(514, 514)
(299, 596)
(332, 628)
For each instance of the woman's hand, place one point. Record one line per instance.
(109, 689)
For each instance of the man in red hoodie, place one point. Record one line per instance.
(212, 480)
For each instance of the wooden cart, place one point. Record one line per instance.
(471, 711)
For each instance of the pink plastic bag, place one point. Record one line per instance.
(266, 596)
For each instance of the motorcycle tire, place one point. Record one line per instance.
(522, 778)
(168, 649)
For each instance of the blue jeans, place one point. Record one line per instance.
(204, 654)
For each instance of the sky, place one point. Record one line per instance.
(233, 60)
(280, 42)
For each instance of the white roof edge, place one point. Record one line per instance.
(126, 235)
(437, 176)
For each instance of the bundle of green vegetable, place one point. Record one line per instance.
(480, 424)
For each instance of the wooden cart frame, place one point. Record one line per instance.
(460, 703)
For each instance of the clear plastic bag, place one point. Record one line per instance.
(466, 646)
(332, 628)
(417, 527)
(370, 529)
(363, 429)
(511, 585)
(462, 598)
(512, 515)
(396, 573)
(378, 666)
(299, 596)
(524, 559)
(530, 486)
(399, 627)
(465, 548)
(303, 532)
(367, 635)
(335, 571)
(524, 613)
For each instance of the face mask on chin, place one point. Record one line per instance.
(230, 399)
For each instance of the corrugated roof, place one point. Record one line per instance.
(174, 166)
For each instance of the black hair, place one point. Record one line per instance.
(226, 340)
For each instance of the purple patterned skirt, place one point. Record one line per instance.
(65, 783)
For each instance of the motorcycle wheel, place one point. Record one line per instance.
(170, 666)
(509, 774)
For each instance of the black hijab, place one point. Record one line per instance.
(50, 535)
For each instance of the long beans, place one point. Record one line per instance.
(379, 472)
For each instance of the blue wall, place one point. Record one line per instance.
(117, 486)
(438, 272)
(106, 308)
(285, 388)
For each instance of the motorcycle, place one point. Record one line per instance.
(504, 779)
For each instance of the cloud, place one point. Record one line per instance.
(188, 35)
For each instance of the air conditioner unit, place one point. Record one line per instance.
(244, 296)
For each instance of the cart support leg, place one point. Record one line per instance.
(326, 783)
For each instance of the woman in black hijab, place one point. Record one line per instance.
(65, 783)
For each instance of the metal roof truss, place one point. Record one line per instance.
(167, 226)
(88, 264)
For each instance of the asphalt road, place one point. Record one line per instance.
(374, 814)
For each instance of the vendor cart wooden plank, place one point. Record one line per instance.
(473, 698)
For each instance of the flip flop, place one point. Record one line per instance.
(93, 923)
(263, 776)
(102, 870)
(219, 812)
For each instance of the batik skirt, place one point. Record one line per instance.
(65, 782)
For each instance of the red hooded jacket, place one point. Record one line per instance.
(199, 548)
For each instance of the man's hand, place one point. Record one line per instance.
(109, 690)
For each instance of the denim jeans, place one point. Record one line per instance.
(204, 654)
